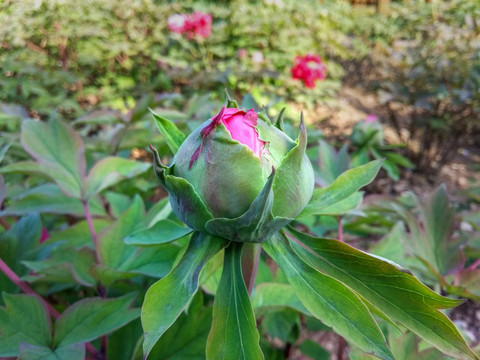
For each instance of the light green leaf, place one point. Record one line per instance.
(71, 352)
(173, 136)
(233, 334)
(60, 150)
(23, 320)
(388, 287)
(344, 186)
(343, 206)
(313, 350)
(159, 311)
(91, 318)
(274, 295)
(162, 232)
(111, 170)
(329, 300)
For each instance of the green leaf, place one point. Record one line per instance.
(123, 342)
(111, 170)
(71, 352)
(269, 296)
(48, 198)
(331, 163)
(194, 328)
(329, 300)
(60, 151)
(388, 287)
(162, 232)
(313, 350)
(344, 186)
(281, 324)
(91, 318)
(343, 206)
(233, 334)
(167, 298)
(23, 320)
(173, 136)
(111, 246)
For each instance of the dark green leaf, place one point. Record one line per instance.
(160, 310)
(186, 338)
(23, 320)
(71, 352)
(233, 334)
(329, 300)
(91, 318)
(163, 231)
(313, 350)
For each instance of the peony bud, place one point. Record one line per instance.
(238, 171)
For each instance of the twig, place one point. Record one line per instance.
(26, 288)
(340, 228)
(474, 265)
(93, 234)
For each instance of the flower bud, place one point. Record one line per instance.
(238, 171)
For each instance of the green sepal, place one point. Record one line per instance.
(294, 180)
(167, 298)
(279, 122)
(230, 102)
(256, 225)
(169, 130)
(186, 203)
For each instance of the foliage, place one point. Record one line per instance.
(424, 64)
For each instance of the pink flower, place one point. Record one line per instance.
(196, 24)
(371, 118)
(308, 68)
(257, 57)
(241, 126)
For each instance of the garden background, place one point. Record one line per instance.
(80, 203)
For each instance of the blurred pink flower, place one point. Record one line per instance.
(371, 118)
(242, 53)
(257, 57)
(308, 68)
(178, 23)
(45, 235)
(196, 24)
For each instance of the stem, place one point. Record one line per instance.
(250, 260)
(4, 223)
(26, 288)
(474, 265)
(340, 229)
(93, 234)
(341, 347)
